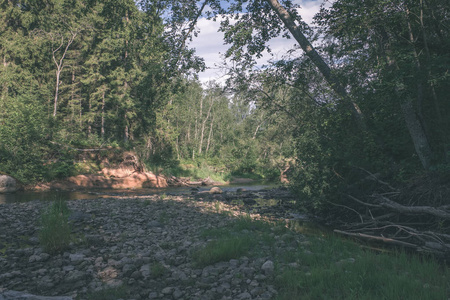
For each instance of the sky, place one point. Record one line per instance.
(209, 42)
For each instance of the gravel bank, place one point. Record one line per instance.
(143, 245)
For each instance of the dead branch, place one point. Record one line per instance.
(349, 208)
(375, 178)
(387, 203)
(363, 203)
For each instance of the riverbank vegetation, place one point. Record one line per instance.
(353, 116)
(324, 265)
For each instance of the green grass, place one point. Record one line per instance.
(332, 268)
(326, 266)
(222, 249)
(234, 241)
(54, 235)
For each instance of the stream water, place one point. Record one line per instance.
(106, 193)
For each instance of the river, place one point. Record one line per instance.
(107, 193)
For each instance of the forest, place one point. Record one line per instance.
(355, 115)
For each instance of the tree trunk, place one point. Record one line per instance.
(72, 95)
(102, 130)
(55, 101)
(417, 134)
(89, 123)
(210, 134)
(125, 133)
(60, 65)
(202, 132)
(318, 61)
(437, 110)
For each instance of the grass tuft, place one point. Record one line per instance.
(157, 270)
(54, 235)
(222, 249)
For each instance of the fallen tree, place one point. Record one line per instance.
(416, 216)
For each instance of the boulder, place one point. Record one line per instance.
(8, 184)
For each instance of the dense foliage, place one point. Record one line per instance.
(368, 98)
(74, 73)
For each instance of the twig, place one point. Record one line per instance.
(363, 203)
(362, 221)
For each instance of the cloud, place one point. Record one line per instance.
(209, 43)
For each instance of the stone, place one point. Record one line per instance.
(234, 263)
(244, 295)
(257, 291)
(145, 270)
(177, 294)
(8, 184)
(128, 269)
(78, 216)
(268, 267)
(154, 223)
(68, 268)
(76, 258)
(167, 290)
(74, 276)
(34, 258)
(136, 275)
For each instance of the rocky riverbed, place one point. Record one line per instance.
(141, 247)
